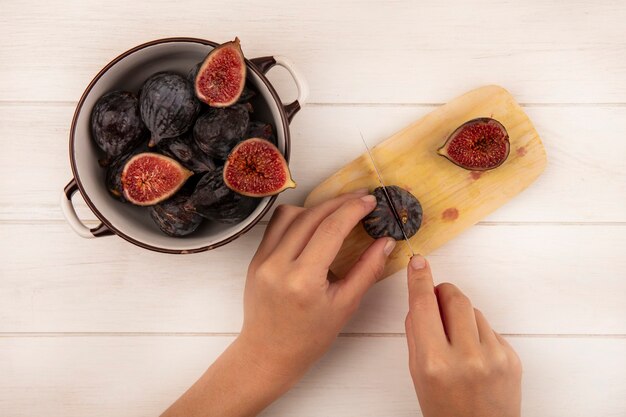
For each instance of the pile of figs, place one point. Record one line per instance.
(187, 147)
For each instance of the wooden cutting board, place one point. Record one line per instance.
(452, 198)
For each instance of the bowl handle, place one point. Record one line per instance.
(72, 218)
(265, 63)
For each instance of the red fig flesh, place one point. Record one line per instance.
(256, 168)
(478, 145)
(149, 178)
(222, 76)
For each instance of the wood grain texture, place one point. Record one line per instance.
(141, 376)
(584, 181)
(353, 51)
(552, 264)
(452, 198)
(526, 279)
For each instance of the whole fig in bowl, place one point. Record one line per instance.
(168, 106)
(116, 125)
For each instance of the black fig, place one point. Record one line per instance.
(382, 221)
(185, 150)
(213, 200)
(168, 106)
(172, 218)
(218, 131)
(478, 145)
(262, 130)
(116, 124)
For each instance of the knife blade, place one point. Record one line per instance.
(387, 197)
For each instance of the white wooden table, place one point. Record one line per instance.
(103, 328)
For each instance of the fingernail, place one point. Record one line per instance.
(361, 191)
(418, 262)
(369, 199)
(391, 243)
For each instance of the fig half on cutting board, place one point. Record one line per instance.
(478, 145)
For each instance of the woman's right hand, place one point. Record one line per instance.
(460, 366)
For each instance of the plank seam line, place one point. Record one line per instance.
(234, 334)
(265, 222)
(4, 103)
(425, 104)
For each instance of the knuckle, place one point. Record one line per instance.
(284, 209)
(295, 288)
(264, 271)
(308, 215)
(331, 227)
(296, 291)
(445, 288)
(356, 204)
(459, 300)
(499, 361)
(434, 369)
(475, 365)
(375, 269)
(299, 290)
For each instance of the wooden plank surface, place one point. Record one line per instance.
(141, 375)
(452, 198)
(351, 51)
(585, 180)
(103, 328)
(527, 279)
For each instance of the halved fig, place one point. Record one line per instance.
(256, 168)
(149, 178)
(246, 95)
(113, 177)
(222, 76)
(477, 145)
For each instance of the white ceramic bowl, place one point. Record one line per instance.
(127, 72)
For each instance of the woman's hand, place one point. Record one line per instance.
(292, 312)
(459, 365)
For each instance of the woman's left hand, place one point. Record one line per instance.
(292, 312)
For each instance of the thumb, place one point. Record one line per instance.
(367, 270)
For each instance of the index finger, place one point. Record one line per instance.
(330, 234)
(299, 232)
(423, 305)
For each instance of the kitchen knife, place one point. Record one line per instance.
(387, 197)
